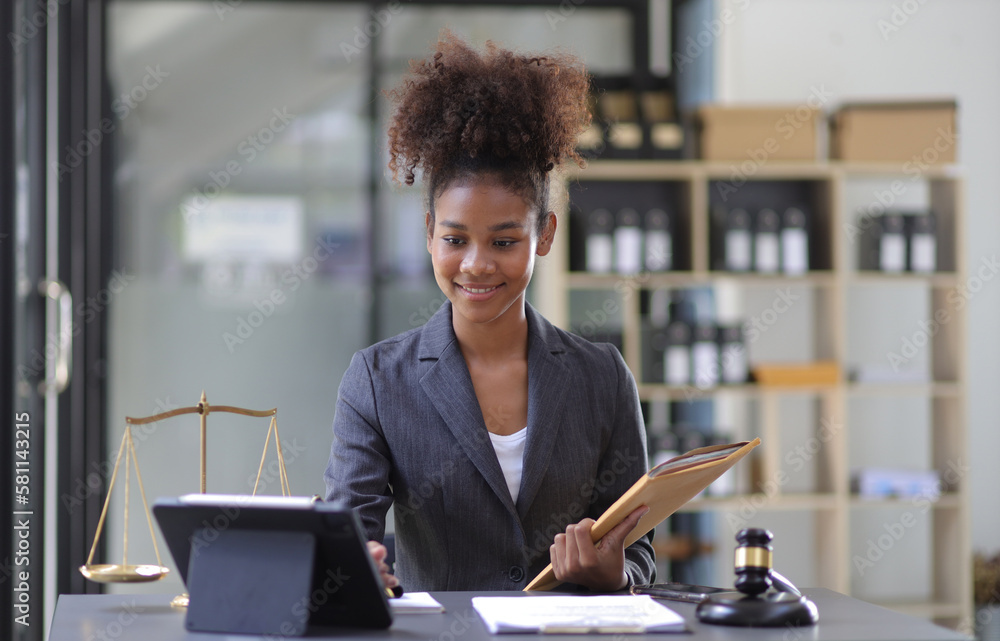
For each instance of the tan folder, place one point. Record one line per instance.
(664, 489)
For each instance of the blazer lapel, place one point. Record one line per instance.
(448, 385)
(547, 375)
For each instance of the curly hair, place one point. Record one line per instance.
(498, 114)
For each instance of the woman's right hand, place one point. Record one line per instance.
(379, 552)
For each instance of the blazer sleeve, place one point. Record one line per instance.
(358, 471)
(627, 448)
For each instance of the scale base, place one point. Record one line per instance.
(773, 609)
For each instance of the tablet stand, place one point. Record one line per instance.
(757, 605)
(250, 582)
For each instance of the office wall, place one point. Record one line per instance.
(780, 50)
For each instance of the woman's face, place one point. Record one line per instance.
(483, 245)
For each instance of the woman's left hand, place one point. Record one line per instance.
(599, 566)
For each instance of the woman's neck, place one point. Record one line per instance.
(501, 339)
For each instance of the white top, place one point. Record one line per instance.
(510, 453)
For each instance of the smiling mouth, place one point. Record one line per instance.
(478, 290)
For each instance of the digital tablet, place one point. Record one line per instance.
(311, 556)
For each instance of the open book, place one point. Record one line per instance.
(664, 489)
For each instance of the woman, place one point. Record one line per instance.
(496, 437)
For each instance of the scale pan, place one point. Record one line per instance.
(124, 573)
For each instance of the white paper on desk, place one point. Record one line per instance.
(616, 614)
(415, 603)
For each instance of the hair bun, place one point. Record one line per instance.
(498, 106)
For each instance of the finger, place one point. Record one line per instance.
(616, 537)
(557, 552)
(377, 550)
(584, 552)
(572, 548)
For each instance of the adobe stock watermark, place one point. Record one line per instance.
(784, 128)
(796, 459)
(434, 481)
(113, 629)
(976, 625)
(623, 463)
(265, 307)
(29, 26)
(753, 328)
(271, 472)
(694, 46)
(878, 546)
(84, 313)
(248, 148)
(122, 106)
(424, 314)
(93, 482)
(462, 622)
(900, 14)
(916, 167)
(566, 9)
(957, 299)
(363, 34)
(598, 318)
(223, 7)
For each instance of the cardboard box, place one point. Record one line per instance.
(759, 134)
(918, 132)
(793, 374)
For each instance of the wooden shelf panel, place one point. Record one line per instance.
(763, 502)
(658, 392)
(647, 280)
(782, 170)
(941, 389)
(947, 501)
(946, 280)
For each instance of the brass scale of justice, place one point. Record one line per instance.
(140, 573)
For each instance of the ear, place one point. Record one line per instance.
(429, 226)
(547, 236)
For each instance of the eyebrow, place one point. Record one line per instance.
(510, 224)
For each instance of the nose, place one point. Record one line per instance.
(478, 261)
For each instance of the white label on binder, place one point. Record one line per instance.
(738, 250)
(892, 253)
(600, 253)
(923, 253)
(734, 363)
(706, 364)
(794, 251)
(677, 365)
(628, 250)
(766, 252)
(659, 257)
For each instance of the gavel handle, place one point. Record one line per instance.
(782, 584)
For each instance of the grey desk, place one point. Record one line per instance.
(150, 618)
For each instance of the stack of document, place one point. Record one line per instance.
(617, 614)
(415, 603)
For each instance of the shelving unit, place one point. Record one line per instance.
(841, 523)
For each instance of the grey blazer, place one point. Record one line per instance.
(408, 432)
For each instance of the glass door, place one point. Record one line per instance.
(32, 358)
